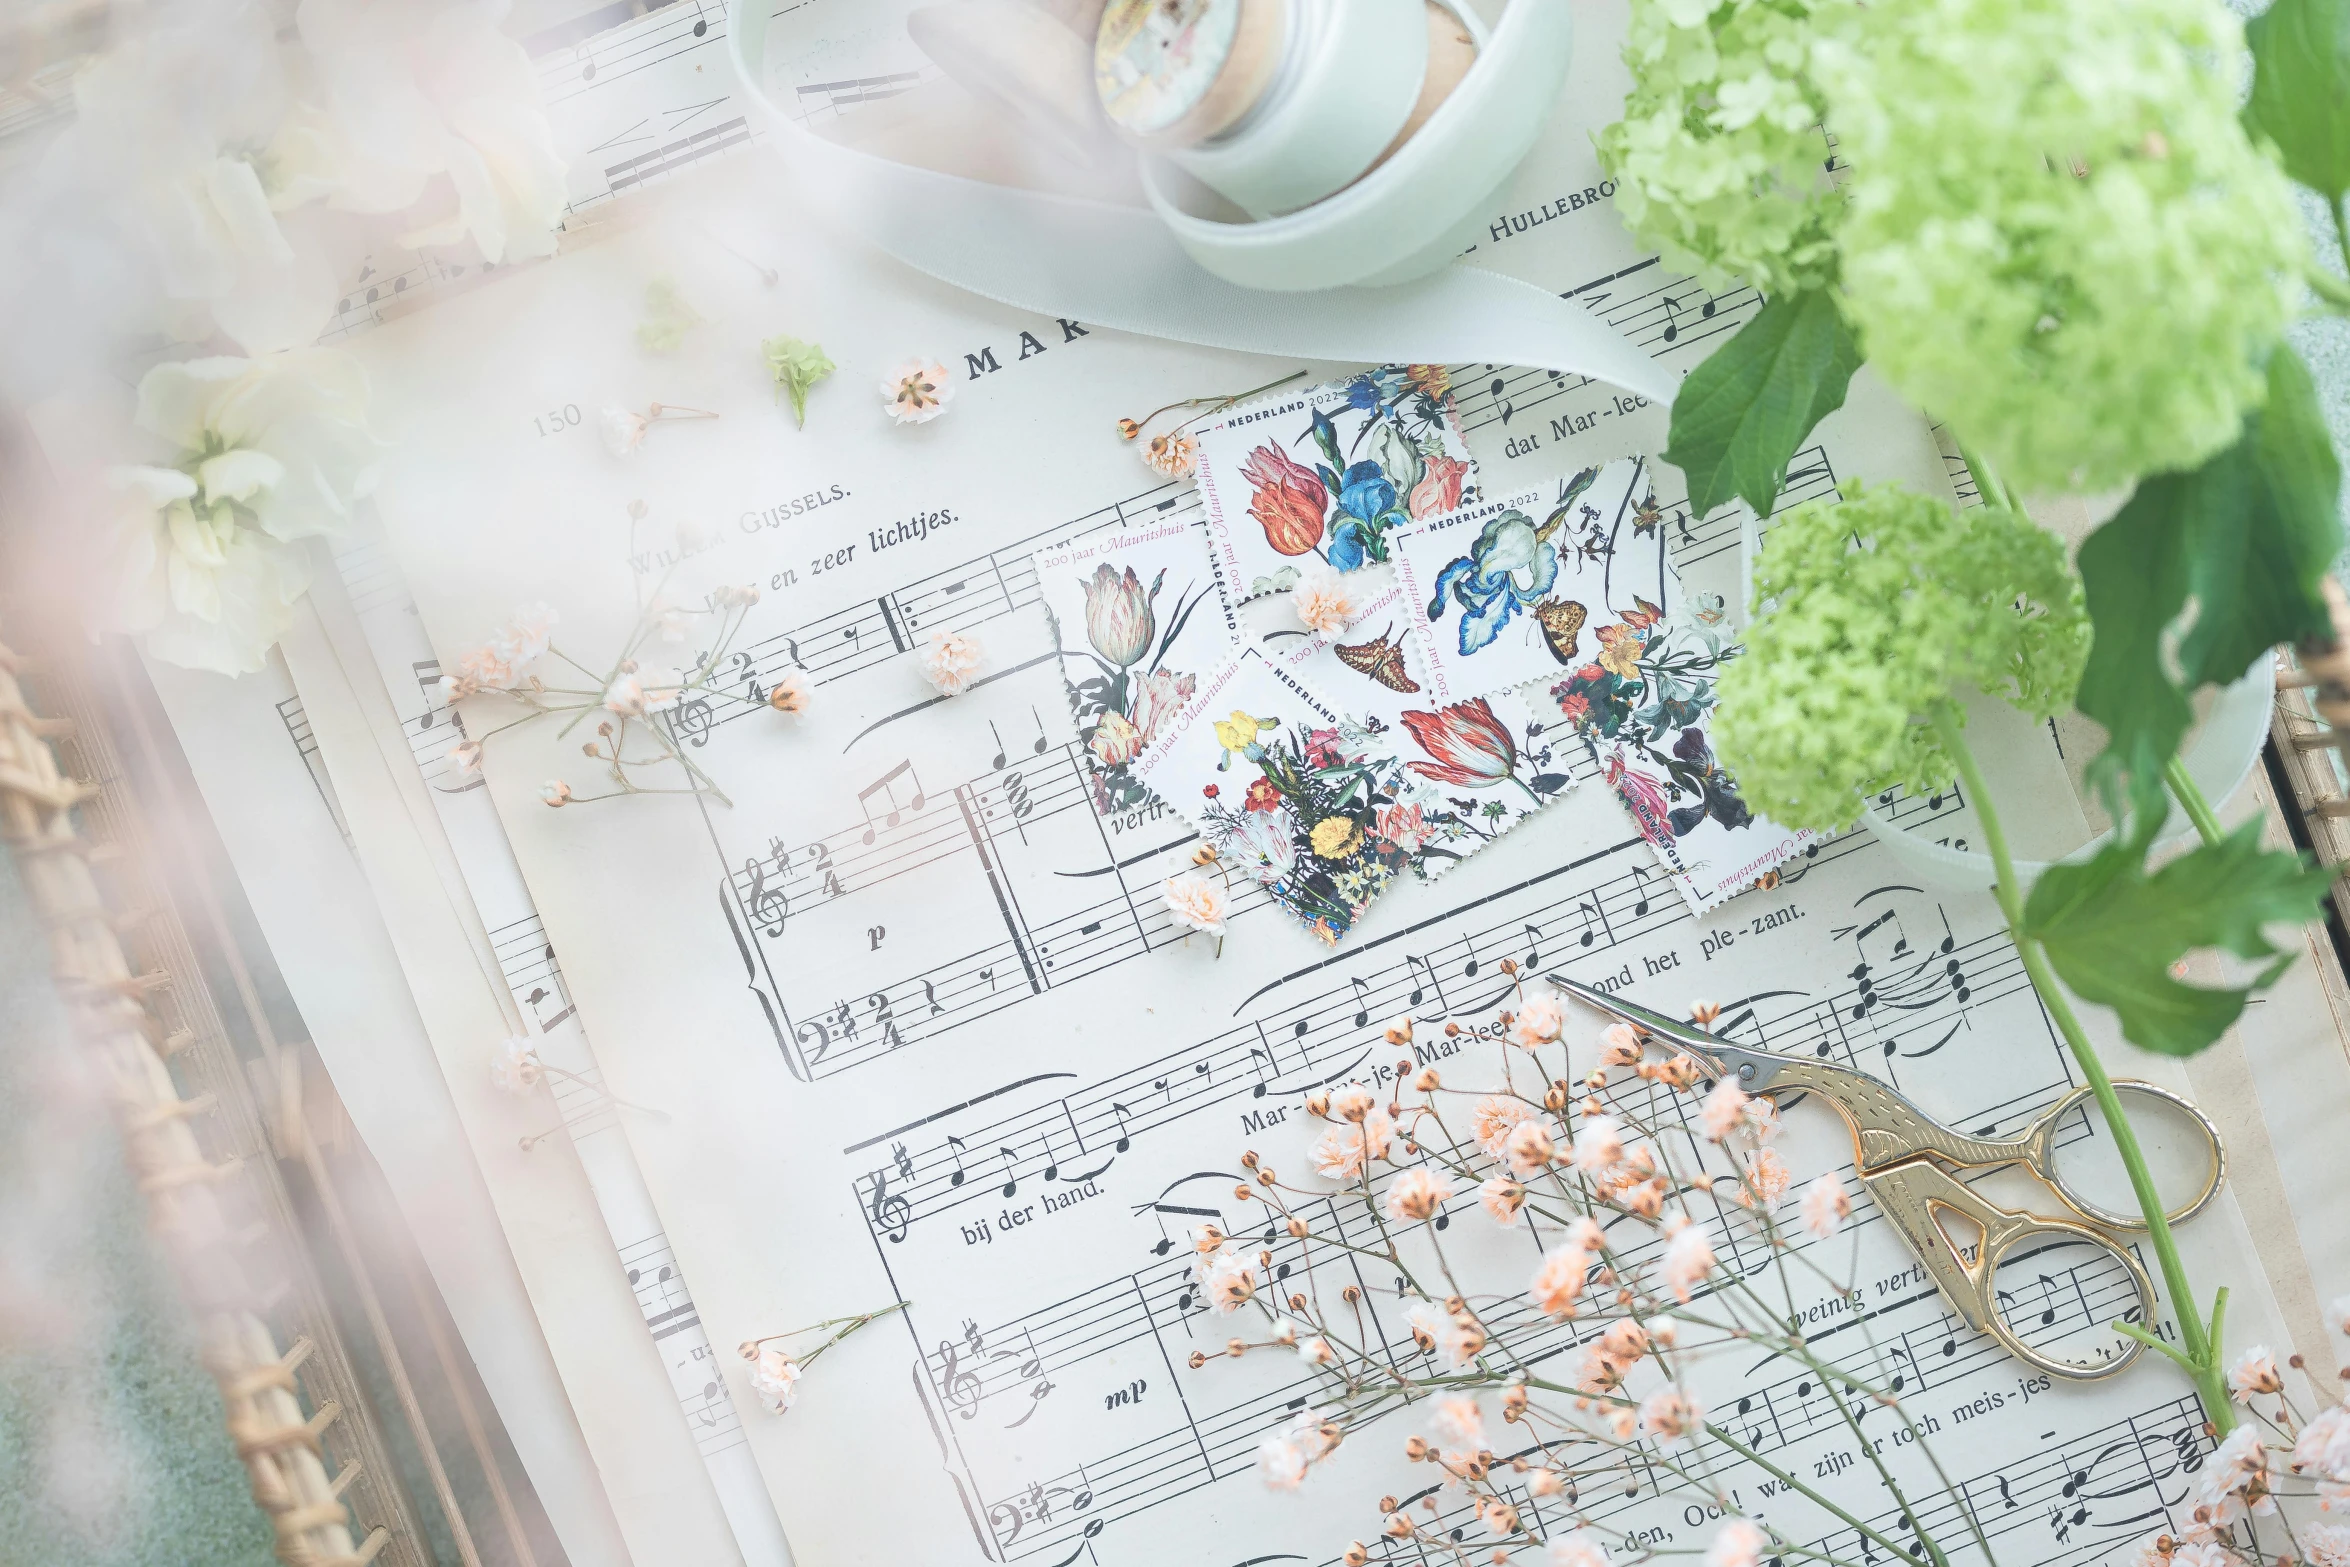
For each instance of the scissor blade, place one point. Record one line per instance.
(1688, 1036)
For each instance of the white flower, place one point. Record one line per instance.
(465, 757)
(775, 1377)
(1459, 1339)
(2323, 1448)
(2235, 1481)
(949, 660)
(411, 92)
(1195, 902)
(515, 1067)
(630, 697)
(1418, 1194)
(1344, 1150)
(916, 392)
(1493, 1118)
(1538, 1021)
(1579, 1549)
(526, 632)
(1600, 1145)
(1325, 601)
(1668, 1414)
(1317, 1352)
(1528, 1148)
(623, 431)
(792, 692)
(1558, 1282)
(164, 148)
(260, 454)
(1723, 1111)
(1352, 1101)
(1281, 1463)
(1688, 1258)
(1736, 1544)
(1825, 1205)
(1459, 1423)
(2255, 1371)
(555, 792)
(1228, 1280)
(1503, 1198)
(2325, 1544)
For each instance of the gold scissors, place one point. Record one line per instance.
(1899, 1153)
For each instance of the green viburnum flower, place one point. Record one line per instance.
(1719, 159)
(1869, 612)
(2058, 235)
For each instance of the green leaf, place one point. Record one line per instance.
(1742, 413)
(2112, 931)
(2247, 537)
(2301, 89)
(796, 366)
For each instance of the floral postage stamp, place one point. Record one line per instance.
(1138, 621)
(1467, 773)
(1329, 475)
(1518, 589)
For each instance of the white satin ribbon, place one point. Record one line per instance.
(1119, 267)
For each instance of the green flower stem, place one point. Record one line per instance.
(2191, 800)
(2202, 1349)
(2342, 232)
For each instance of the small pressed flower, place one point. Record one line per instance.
(1128, 429)
(1281, 1463)
(795, 367)
(515, 1067)
(1493, 1118)
(1503, 1198)
(622, 430)
(630, 697)
(792, 692)
(1767, 1177)
(1736, 1544)
(1528, 1148)
(1723, 1111)
(949, 660)
(1458, 1421)
(916, 392)
(1325, 601)
(1418, 1195)
(465, 757)
(2254, 1372)
(1317, 1352)
(1825, 1205)
(1558, 1282)
(775, 1377)
(731, 595)
(1580, 1549)
(555, 792)
(1620, 1046)
(1538, 1020)
(1228, 1280)
(1688, 1258)
(1196, 902)
(2323, 1448)
(2234, 1481)
(1599, 1145)
(1668, 1414)
(1342, 1153)
(1175, 454)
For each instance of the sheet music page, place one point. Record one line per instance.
(909, 1016)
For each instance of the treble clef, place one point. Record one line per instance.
(891, 1214)
(768, 904)
(958, 1383)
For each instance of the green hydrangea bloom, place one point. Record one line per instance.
(1869, 612)
(2059, 236)
(1719, 159)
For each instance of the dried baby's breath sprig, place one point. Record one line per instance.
(776, 1372)
(1631, 1225)
(652, 712)
(1175, 454)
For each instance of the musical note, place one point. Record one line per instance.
(1263, 1072)
(1362, 994)
(1420, 991)
(886, 787)
(1011, 1181)
(1640, 909)
(930, 994)
(1672, 317)
(1000, 758)
(1469, 969)
(956, 1145)
(1533, 945)
(1125, 1140)
(1591, 917)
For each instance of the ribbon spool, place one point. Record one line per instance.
(1118, 266)
(1274, 104)
(2219, 756)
